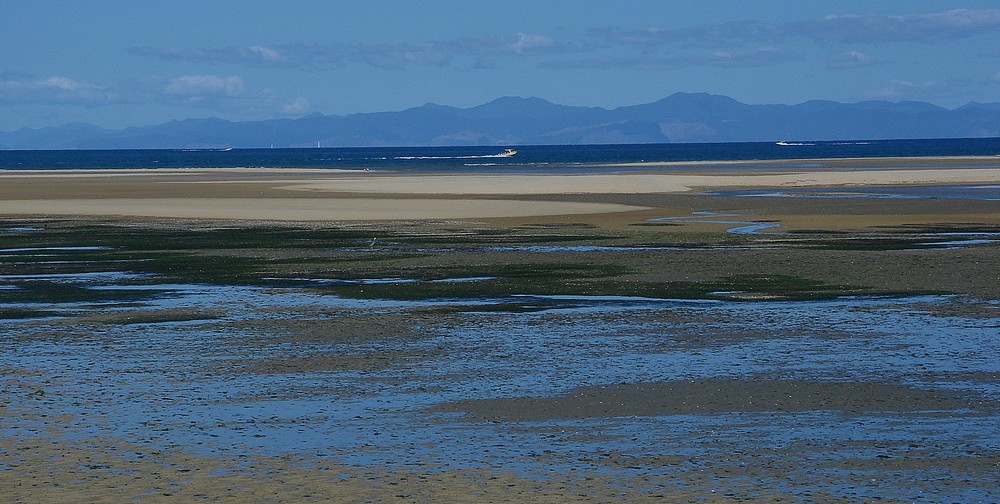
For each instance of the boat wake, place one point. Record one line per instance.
(450, 157)
(801, 144)
(505, 154)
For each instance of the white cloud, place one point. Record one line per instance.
(220, 95)
(65, 84)
(764, 56)
(255, 55)
(526, 42)
(205, 85)
(721, 35)
(266, 53)
(905, 90)
(848, 29)
(57, 83)
(397, 56)
(948, 25)
(298, 107)
(609, 62)
(758, 57)
(471, 50)
(56, 89)
(742, 43)
(849, 59)
(518, 44)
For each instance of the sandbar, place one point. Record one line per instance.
(305, 209)
(321, 195)
(640, 183)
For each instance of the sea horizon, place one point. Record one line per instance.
(529, 158)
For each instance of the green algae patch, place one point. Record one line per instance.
(583, 280)
(36, 291)
(486, 281)
(421, 261)
(24, 313)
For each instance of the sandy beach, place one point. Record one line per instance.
(309, 195)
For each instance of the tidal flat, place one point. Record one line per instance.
(545, 360)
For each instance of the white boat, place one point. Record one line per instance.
(508, 153)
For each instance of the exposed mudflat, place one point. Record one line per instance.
(472, 362)
(713, 396)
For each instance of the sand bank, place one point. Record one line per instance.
(644, 183)
(306, 209)
(312, 195)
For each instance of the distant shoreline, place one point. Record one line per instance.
(698, 166)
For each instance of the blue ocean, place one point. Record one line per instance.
(529, 158)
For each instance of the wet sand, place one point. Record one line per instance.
(309, 403)
(282, 393)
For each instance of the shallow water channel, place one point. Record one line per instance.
(231, 370)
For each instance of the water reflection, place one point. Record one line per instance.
(214, 385)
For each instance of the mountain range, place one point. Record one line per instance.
(512, 121)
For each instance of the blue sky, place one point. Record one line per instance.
(122, 63)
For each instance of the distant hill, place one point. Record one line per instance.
(682, 117)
